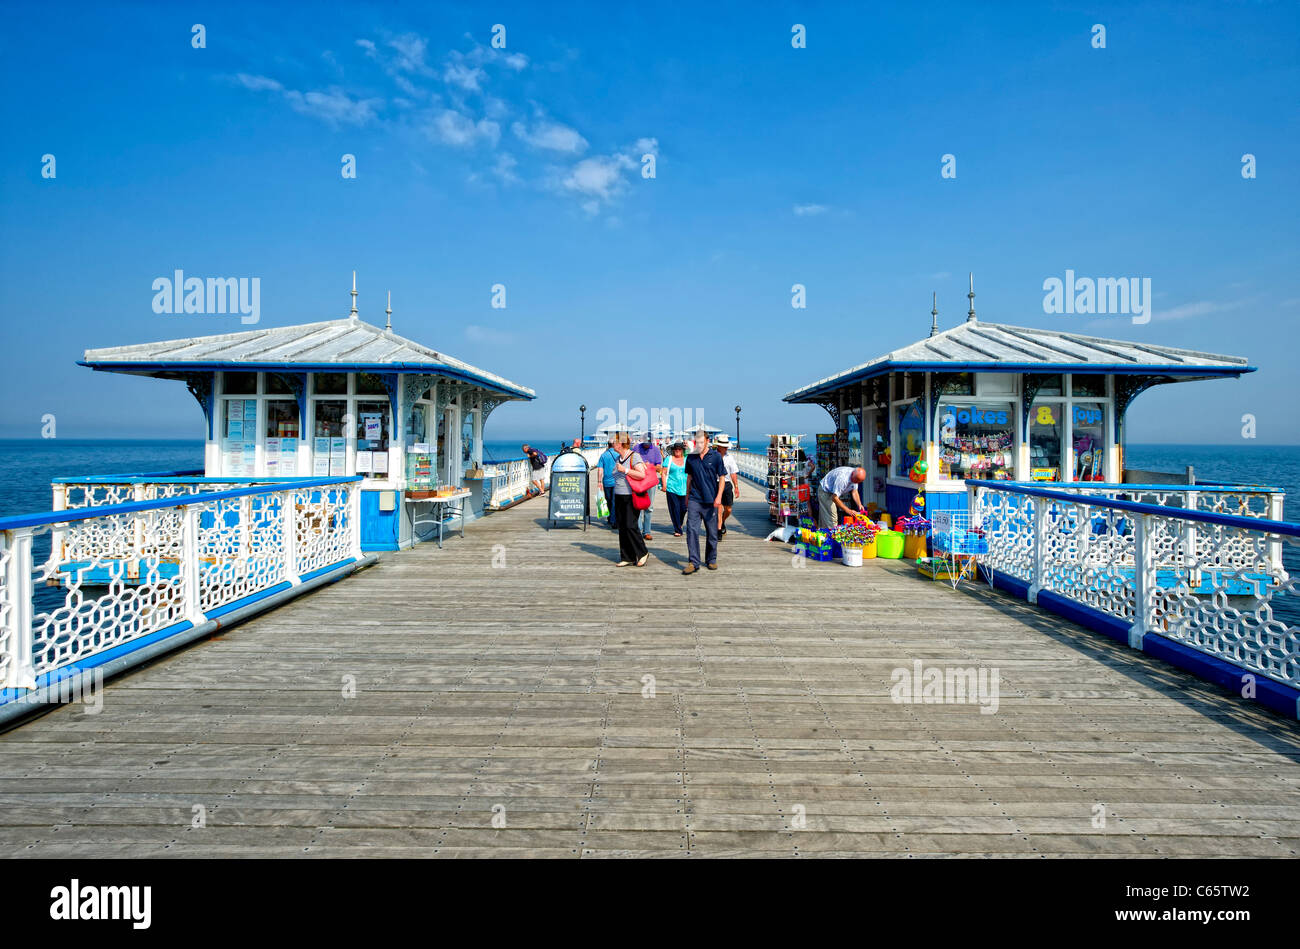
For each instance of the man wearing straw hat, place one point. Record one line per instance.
(732, 489)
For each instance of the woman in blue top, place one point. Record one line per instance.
(673, 482)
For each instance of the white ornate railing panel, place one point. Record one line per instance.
(751, 464)
(1211, 581)
(145, 566)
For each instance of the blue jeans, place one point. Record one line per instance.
(609, 499)
(643, 521)
(695, 513)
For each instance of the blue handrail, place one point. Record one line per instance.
(134, 507)
(1259, 524)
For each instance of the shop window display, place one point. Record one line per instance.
(281, 437)
(1046, 436)
(1089, 426)
(239, 436)
(329, 440)
(977, 442)
(372, 439)
(911, 437)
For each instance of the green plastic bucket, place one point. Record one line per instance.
(889, 545)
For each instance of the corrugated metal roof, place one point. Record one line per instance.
(995, 346)
(331, 343)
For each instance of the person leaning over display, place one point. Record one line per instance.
(838, 484)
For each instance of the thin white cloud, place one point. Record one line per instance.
(807, 210)
(454, 128)
(466, 77)
(599, 180)
(516, 61)
(258, 83)
(332, 105)
(598, 177)
(410, 50)
(551, 136)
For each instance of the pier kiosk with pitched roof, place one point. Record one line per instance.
(991, 401)
(322, 399)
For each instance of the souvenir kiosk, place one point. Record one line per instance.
(320, 399)
(991, 401)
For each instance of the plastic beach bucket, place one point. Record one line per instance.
(853, 556)
(869, 550)
(889, 545)
(914, 546)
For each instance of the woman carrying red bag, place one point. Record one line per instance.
(631, 545)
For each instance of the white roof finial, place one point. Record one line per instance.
(934, 315)
(389, 311)
(970, 314)
(353, 314)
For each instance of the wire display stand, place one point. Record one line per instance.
(958, 542)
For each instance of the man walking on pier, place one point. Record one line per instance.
(731, 490)
(839, 483)
(705, 475)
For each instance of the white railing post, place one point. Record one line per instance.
(1275, 545)
(289, 537)
(1144, 579)
(137, 535)
(18, 591)
(58, 535)
(1190, 560)
(1038, 550)
(191, 588)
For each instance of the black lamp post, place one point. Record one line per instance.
(738, 427)
(583, 410)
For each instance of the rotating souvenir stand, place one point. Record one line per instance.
(787, 489)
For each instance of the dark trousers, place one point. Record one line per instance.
(676, 510)
(695, 513)
(609, 500)
(631, 545)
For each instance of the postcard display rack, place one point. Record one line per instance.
(833, 450)
(787, 490)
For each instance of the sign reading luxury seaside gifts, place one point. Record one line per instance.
(569, 497)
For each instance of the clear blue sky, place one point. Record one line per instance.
(775, 166)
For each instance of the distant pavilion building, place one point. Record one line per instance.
(320, 399)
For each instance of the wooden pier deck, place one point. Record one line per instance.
(504, 676)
